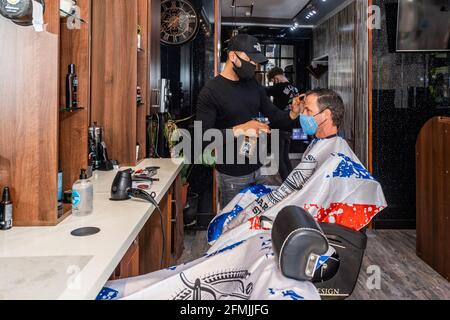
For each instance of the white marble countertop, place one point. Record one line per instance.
(50, 263)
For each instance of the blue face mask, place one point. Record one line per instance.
(309, 124)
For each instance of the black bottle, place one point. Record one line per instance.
(71, 88)
(6, 211)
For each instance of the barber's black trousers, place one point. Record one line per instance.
(285, 165)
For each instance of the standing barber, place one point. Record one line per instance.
(231, 101)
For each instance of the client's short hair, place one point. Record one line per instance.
(329, 99)
(276, 71)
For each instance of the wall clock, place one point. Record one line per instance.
(19, 11)
(179, 22)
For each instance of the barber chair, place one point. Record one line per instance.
(328, 255)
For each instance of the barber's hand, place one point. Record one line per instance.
(252, 128)
(297, 107)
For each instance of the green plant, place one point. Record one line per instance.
(185, 173)
(171, 132)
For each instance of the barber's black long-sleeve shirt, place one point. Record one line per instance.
(224, 104)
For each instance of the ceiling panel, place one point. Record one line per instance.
(277, 9)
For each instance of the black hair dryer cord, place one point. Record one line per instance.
(141, 194)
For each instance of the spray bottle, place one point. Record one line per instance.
(82, 196)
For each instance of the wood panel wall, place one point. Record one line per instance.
(118, 68)
(29, 118)
(154, 47)
(344, 39)
(433, 190)
(143, 78)
(114, 75)
(73, 126)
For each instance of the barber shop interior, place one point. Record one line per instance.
(224, 150)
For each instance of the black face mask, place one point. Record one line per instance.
(246, 71)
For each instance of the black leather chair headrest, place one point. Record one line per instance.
(298, 243)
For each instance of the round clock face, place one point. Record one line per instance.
(19, 11)
(179, 22)
(14, 9)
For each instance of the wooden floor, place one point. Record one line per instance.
(195, 246)
(403, 275)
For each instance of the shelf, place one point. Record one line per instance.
(70, 109)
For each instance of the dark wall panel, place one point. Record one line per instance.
(344, 39)
(403, 101)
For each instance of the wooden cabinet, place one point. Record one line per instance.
(433, 190)
(144, 255)
(114, 76)
(129, 266)
(38, 134)
(177, 222)
(35, 135)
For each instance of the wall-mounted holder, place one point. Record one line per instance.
(68, 9)
(161, 97)
(318, 67)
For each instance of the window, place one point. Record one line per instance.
(279, 56)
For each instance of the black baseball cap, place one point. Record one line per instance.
(248, 44)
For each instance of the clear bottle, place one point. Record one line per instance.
(82, 196)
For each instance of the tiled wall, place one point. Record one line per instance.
(401, 106)
(343, 38)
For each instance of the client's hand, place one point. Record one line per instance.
(252, 210)
(252, 128)
(236, 222)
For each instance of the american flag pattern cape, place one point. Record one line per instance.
(330, 183)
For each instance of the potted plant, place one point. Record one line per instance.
(189, 200)
(185, 173)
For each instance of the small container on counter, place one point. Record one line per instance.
(6, 210)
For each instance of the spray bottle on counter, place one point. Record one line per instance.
(6, 210)
(82, 196)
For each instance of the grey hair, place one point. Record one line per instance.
(329, 99)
